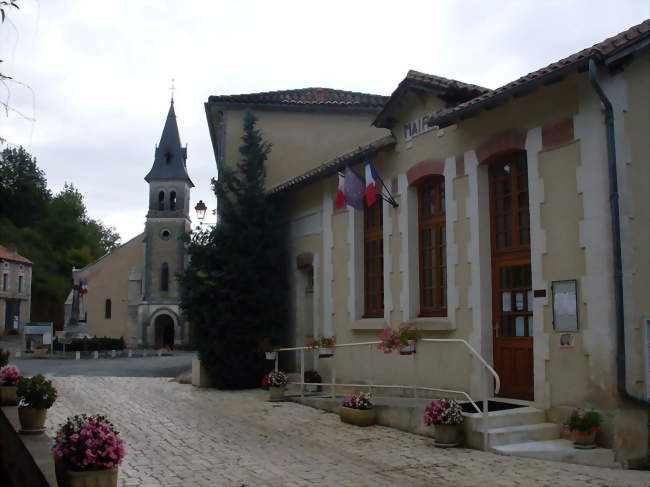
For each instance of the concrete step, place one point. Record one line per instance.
(559, 451)
(507, 417)
(523, 433)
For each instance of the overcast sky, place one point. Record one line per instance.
(98, 73)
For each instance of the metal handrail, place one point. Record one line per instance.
(487, 368)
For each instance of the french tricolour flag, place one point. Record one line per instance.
(83, 288)
(340, 196)
(371, 178)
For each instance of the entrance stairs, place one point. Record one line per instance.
(513, 429)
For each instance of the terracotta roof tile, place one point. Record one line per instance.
(336, 164)
(318, 97)
(605, 48)
(6, 254)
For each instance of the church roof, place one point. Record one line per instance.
(170, 159)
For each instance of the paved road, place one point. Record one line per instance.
(177, 435)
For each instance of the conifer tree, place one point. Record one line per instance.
(234, 291)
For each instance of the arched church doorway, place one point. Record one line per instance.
(164, 326)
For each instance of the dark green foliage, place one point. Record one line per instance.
(36, 392)
(91, 344)
(54, 232)
(4, 357)
(234, 292)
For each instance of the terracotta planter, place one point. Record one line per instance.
(90, 478)
(32, 420)
(584, 440)
(270, 355)
(325, 352)
(446, 435)
(8, 396)
(276, 393)
(358, 417)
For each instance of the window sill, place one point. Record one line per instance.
(369, 324)
(432, 324)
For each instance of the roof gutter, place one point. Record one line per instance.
(616, 239)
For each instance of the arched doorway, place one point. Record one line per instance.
(164, 326)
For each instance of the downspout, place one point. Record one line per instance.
(616, 239)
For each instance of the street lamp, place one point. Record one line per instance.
(200, 210)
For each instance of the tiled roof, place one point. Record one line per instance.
(608, 48)
(6, 254)
(336, 164)
(313, 97)
(452, 90)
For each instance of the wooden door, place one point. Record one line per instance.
(512, 303)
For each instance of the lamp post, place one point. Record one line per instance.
(200, 209)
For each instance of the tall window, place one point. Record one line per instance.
(20, 284)
(161, 200)
(172, 200)
(5, 281)
(509, 183)
(107, 309)
(373, 261)
(432, 243)
(164, 277)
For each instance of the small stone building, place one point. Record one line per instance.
(15, 288)
(133, 291)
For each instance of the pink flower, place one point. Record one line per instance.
(581, 413)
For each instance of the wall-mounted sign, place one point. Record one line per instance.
(565, 305)
(417, 127)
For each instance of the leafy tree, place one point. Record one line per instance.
(234, 291)
(54, 232)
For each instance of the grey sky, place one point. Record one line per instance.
(100, 71)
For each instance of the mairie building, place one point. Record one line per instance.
(521, 225)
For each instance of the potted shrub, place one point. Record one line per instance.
(9, 376)
(358, 409)
(40, 351)
(446, 416)
(324, 345)
(584, 425)
(267, 347)
(87, 452)
(277, 381)
(4, 357)
(36, 395)
(408, 337)
(312, 376)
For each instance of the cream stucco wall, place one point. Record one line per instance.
(107, 279)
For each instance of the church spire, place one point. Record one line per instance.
(170, 157)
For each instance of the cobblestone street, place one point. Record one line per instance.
(182, 436)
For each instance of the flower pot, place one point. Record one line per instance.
(32, 420)
(312, 388)
(358, 417)
(89, 478)
(8, 396)
(40, 353)
(276, 393)
(270, 355)
(584, 440)
(325, 352)
(446, 435)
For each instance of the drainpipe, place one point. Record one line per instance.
(616, 239)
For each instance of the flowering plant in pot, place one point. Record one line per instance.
(40, 351)
(87, 451)
(35, 395)
(267, 346)
(358, 409)
(277, 380)
(408, 337)
(389, 340)
(9, 376)
(312, 376)
(324, 345)
(446, 417)
(584, 425)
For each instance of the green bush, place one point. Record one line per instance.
(4, 357)
(36, 392)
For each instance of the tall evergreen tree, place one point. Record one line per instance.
(234, 291)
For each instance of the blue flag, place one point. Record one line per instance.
(354, 189)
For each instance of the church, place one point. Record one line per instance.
(133, 291)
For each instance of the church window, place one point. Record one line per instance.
(107, 309)
(172, 200)
(5, 280)
(168, 157)
(161, 200)
(164, 277)
(20, 284)
(165, 234)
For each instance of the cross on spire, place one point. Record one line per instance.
(172, 88)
